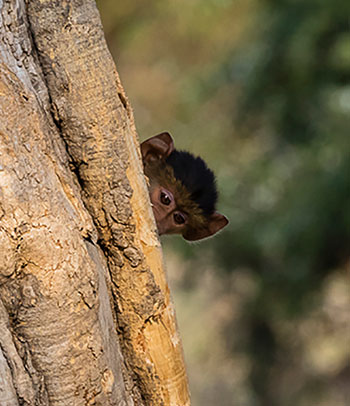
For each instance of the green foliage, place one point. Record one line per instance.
(261, 89)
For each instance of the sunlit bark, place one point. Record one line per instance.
(85, 311)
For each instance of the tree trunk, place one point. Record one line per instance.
(85, 311)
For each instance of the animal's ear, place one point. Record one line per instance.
(158, 147)
(215, 223)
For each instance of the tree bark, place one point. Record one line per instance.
(86, 316)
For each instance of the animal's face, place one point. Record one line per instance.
(169, 218)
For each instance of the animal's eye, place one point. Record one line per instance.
(179, 218)
(165, 198)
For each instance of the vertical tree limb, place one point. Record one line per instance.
(55, 284)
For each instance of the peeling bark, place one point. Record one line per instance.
(85, 310)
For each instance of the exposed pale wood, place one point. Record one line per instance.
(81, 266)
(51, 291)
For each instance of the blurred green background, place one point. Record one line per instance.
(261, 90)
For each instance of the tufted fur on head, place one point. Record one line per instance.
(196, 177)
(189, 179)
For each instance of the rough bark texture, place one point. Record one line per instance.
(85, 311)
